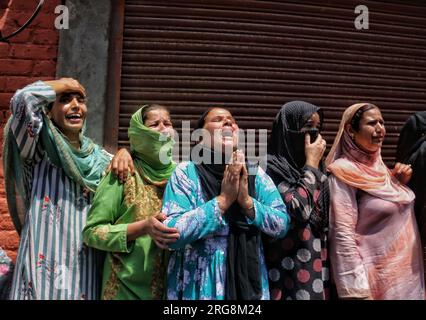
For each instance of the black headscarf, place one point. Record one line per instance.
(286, 152)
(412, 149)
(243, 272)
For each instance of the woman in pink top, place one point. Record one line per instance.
(374, 240)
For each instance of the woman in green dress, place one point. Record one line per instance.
(125, 220)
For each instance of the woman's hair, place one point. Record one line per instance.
(151, 107)
(358, 115)
(202, 120)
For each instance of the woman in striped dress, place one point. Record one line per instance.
(51, 172)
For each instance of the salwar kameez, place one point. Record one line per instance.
(133, 269)
(197, 266)
(52, 262)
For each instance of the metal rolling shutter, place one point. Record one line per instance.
(253, 56)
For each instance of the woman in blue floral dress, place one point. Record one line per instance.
(220, 211)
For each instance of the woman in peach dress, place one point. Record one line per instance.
(375, 248)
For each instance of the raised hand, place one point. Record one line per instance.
(244, 199)
(66, 85)
(121, 164)
(230, 183)
(314, 151)
(402, 172)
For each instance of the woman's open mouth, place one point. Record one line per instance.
(74, 117)
(378, 139)
(227, 134)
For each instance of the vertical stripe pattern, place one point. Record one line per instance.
(52, 262)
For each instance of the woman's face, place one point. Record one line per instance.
(314, 122)
(222, 129)
(159, 120)
(371, 131)
(69, 112)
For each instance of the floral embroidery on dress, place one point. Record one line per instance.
(145, 198)
(158, 282)
(101, 232)
(46, 201)
(41, 261)
(54, 212)
(112, 284)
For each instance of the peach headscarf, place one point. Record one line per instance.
(363, 170)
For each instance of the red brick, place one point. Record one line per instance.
(49, 6)
(34, 52)
(23, 5)
(45, 36)
(16, 67)
(4, 50)
(6, 224)
(3, 203)
(9, 239)
(15, 83)
(45, 21)
(2, 83)
(22, 37)
(46, 68)
(5, 100)
(16, 18)
(4, 115)
(12, 255)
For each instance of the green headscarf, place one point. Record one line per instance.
(85, 166)
(152, 151)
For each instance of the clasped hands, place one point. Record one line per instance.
(235, 186)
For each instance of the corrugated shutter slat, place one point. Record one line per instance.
(253, 56)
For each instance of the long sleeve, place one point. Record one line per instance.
(301, 198)
(349, 272)
(27, 121)
(196, 223)
(270, 212)
(178, 204)
(101, 230)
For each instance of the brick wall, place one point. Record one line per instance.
(29, 57)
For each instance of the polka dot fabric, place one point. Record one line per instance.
(298, 264)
